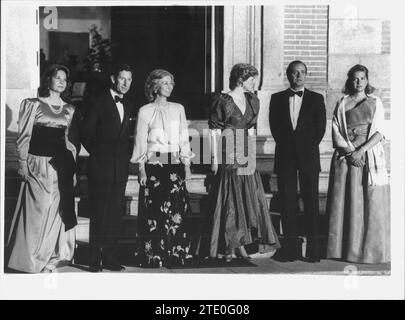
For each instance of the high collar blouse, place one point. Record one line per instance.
(161, 129)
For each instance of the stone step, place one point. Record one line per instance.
(82, 230)
(198, 209)
(197, 188)
(198, 202)
(265, 162)
(265, 145)
(128, 235)
(323, 182)
(198, 127)
(199, 183)
(194, 224)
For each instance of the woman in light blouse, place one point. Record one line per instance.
(163, 153)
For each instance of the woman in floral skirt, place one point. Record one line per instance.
(163, 153)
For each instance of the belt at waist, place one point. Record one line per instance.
(47, 141)
(163, 158)
(357, 131)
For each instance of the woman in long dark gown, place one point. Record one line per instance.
(358, 197)
(239, 214)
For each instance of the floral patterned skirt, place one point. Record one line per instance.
(163, 205)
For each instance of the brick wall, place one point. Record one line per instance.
(385, 95)
(386, 37)
(306, 39)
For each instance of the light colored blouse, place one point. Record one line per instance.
(377, 167)
(161, 129)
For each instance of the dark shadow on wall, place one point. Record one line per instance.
(11, 159)
(9, 117)
(11, 181)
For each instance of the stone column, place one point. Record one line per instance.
(254, 34)
(356, 35)
(242, 41)
(21, 79)
(21, 34)
(273, 60)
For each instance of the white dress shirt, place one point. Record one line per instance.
(119, 105)
(295, 107)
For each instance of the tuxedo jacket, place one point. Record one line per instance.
(107, 139)
(299, 147)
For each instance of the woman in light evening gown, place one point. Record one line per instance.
(163, 153)
(42, 231)
(239, 214)
(358, 196)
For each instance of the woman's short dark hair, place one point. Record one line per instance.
(241, 72)
(349, 86)
(152, 83)
(51, 71)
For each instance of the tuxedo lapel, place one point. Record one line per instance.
(116, 121)
(304, 104)
(125, 118)
(286, 107)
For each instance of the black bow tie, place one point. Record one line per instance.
(118, 99)
(298, 93)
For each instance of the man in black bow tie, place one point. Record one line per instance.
(297, 122)
(105, 135)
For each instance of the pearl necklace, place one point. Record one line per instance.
(54, 110)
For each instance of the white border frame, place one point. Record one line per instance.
(224, 286)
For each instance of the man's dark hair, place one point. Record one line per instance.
(121, 67)
(292, 65)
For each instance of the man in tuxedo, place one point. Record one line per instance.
(297, 122)
(105, 134)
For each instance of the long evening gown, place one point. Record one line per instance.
(239, 214)
(37, 236)
(359, 223)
